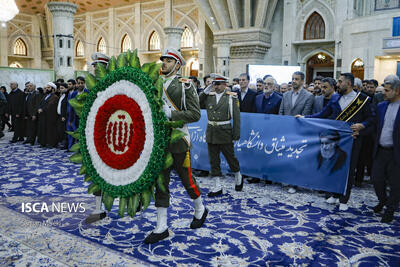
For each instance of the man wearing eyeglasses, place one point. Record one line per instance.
(222, 106)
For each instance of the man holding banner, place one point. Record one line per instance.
(222, 107)
(355, 109)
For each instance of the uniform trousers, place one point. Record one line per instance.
(185, 174)
(214, 151)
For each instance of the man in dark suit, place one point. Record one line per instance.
(328, 86)
(16, 100)
(298, 100)
(246, 96)
(386, 166)
(33, 100)
(354, 108)
(268, 102)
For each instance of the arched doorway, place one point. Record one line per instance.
(320, 64)
(357, 68)
(194, 68)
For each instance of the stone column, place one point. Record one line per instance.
(173, 37)
(63, 31)
(223, 49)
(3, 47)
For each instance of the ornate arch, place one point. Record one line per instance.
(314, 52)
(154, 27)
(323, 10)
(19, 34)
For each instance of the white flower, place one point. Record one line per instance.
(131, 174)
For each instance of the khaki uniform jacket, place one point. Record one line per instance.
(221, 134)
(190, 114)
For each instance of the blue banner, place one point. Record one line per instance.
(311, 153)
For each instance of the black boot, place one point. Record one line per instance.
(154, 237)
(197, 223)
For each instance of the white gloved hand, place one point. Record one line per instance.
(207, 90)
(167, 111)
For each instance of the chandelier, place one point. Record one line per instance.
(8, 11)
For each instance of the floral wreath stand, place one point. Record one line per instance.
(123, 133)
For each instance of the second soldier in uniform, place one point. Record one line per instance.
(222, 106)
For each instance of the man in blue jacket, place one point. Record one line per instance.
(386, 166)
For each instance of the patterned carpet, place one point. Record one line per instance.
(262, 226)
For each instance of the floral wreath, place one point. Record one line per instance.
(123, 132)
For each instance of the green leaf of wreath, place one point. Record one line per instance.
(176, 135)
(112, 64)
(90, 81)
(101, 71)
(73, 134)
(77, 105)
(93, 188)
(121, 61)
(168, 161)
(134, 61)
(76, 158)
(75, 147)
(82, 97)
(82, 170)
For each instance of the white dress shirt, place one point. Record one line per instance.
(345, 100)
(219, 96)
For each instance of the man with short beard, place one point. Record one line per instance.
(297, 101)
(47, 117)
(317, 85)
(32, 103)
(284, 88)
(181, 102)
(62, 115)
(354, 108)
(328, 86)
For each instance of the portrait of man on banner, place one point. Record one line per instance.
(330, 157)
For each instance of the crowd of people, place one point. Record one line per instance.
(41, 115)
(44, 116)
(327, 98)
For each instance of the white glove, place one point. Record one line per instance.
(167, 111)
(207, 89)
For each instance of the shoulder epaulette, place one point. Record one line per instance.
(184, 80)
(231, 93)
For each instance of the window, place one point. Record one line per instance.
(61, 43)
(101, 46)
(20, 47)
(16, 65)
(396, 26)
(315, 27)
(187, 38)
(154, 41)
(69, 61)
(69, 43)
(126, 43)
(79, 50)
(61, 61)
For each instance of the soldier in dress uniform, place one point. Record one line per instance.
(180, 103)
(99, 213)
(222, 106)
